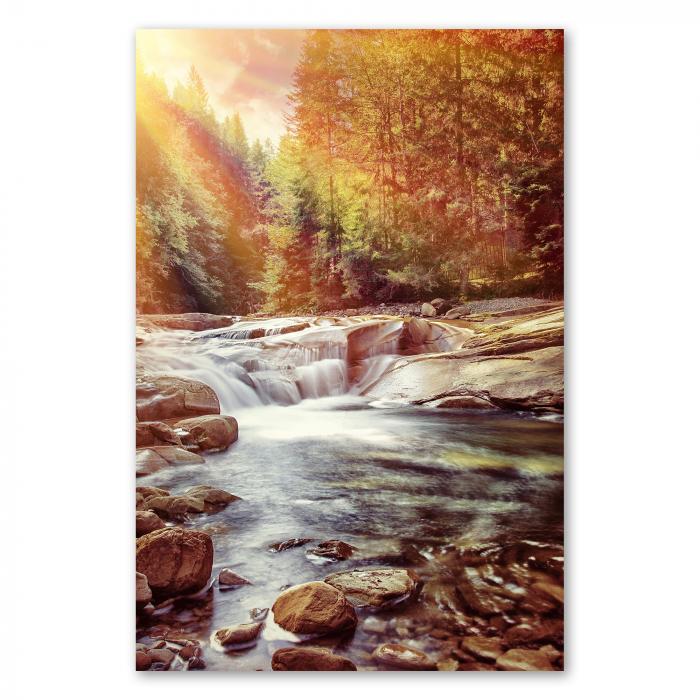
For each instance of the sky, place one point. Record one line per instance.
(248, 71)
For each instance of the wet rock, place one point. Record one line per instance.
(258, 614)
(403, 657)
(143, 591)
(162, 656)
(175, 561)
(288, 544)
(170, 506)
(428, 310)
(314, 608)
(374, 625)
(147, 521)
(530, 633)
(174, 397)
(242, 635)
(146, 491)
(210, 433)
(333, 549)
(375, 587)
(196, 663)
(229, 579)
(484, 597)
(186, 321)
(152, 459)
(143, 661)
(524, 660)
(552, 653)
(484, 648)
(550, 590)
(150, 433)
(309, 659)
(190, 650)
(211, 495)
(448, 665)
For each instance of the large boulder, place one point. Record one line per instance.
(309, 659)
(457, 312)
(428, 310)
(375, 587)
(175, 561)
(403, 657)
(314, 608)
(149, 433)
(160, 398)
(147, 521)
(209, 432)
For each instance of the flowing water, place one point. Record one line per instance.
(319, 457)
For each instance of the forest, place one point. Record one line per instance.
(416, 164)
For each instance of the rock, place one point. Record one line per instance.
(174, 397)
(143, 592)
(175, 561)
(524, 660)
(146, 522)
(258, 614)
(229, 579)
(242, 635)
(162, 656)
(211, 495)
(146, 491)
(170, 506)
(448, 665)
(403, 657)
(552, 653)
(460, 402)
(196, 663)
(186, 322)
(483, 596)
(375, 587)
(314, 608)
(428, 310)
(484, 648)
(550, 590)
(150, 433)
(189, 650)
(374, 625)
(457, 312)
(543, 631)
(309, 659)
(152, 459)
(333, 549)
(441, 305)
(210, 433)
(288, 544)
(143, 661)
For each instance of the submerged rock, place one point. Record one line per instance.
(161, 398)
(309, 659)
(333, 549)
(403, 657)
(524, 660)
(241, 635)
(209, 433)
(288, 544)
(147, 521)
(314, 608)
(229, 579)
(375, 587)
(175, 561)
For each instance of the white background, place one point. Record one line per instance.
(66, 163)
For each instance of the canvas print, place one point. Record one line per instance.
(349, 350)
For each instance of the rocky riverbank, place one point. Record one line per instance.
(447, 605)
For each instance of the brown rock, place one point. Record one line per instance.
(524, 660)
(485, 648)
(212, 495)
(314, 608)
(242, 635)
(401, 656)
(550, 590)
(152, 459)
(210, 432)
(229, 578)
(309, 659)
(428, 310)
(143, 591)
(143, 661)
(162, 656)
(149, 433)
(288, 544)
(175, 505)
(147, 521)
(175, 561)
(174, 397)
(375, 587)
(188, 321)
(146, 491)
(526, 633)
(333, 549)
